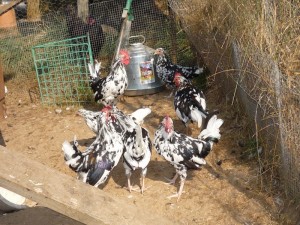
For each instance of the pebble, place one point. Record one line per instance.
(58, 111)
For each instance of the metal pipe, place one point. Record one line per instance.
(127, 17)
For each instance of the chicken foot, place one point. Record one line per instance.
(180, 191)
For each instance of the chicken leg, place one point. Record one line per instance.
(143, 175)
(130, 188)
(170, 95)
(173, 180)
(180, 191)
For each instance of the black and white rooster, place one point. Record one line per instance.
(166, 70)
(137, 154)
(108, 88)
(185, 152)
(189, 102)
(98, 160)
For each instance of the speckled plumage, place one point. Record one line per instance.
(136, 140)
(137, 143)
(108, 88)
(137, 153)
(166, 70)
(189, 102)
(182, 151)
(97, 161)
(91, 119)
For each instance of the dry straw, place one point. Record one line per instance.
(256, 44)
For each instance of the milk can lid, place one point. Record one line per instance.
(137, 44)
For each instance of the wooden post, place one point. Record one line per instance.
(83, 9)
(33, 10)
(69, 196)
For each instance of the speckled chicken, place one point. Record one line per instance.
(98, 160)
(107, 89)
(137, 144)
(185, 152)
(166, 70)
(137, 153)
(189, 102)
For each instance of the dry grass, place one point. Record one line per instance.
(247, 41)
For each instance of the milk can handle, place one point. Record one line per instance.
(142, 36)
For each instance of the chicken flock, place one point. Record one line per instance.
(121, 136)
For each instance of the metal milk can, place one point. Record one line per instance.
(141, 77)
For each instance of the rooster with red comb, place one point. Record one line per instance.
(107, 89)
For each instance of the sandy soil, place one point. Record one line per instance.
(225, 194)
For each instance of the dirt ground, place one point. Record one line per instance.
(216, 194)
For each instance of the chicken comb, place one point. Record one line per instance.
(168, 118)
(177, 78)
(177, 74)
(168, 123)
(124, 52)
(126, 58)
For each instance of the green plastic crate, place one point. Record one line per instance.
(62, 71)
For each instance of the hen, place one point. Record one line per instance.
(77, 27)
(108, 88)
(185, 152)
(166, 70)
(189, 102)
(96, 34)
(98, 160)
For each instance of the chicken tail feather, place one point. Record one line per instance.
(139, 115)
(72, 155)
(94, 69)
(212, 130)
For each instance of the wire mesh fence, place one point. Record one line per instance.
(59, 20)
(41, 22)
